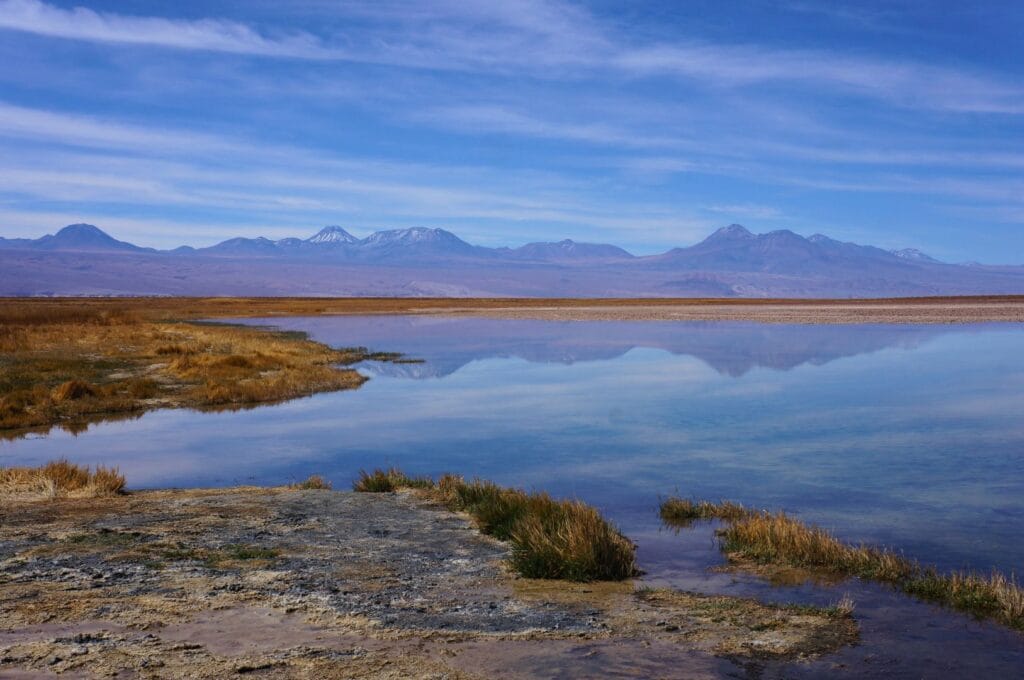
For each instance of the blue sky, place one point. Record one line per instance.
(643, 124)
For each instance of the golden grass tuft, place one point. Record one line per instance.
(66, 475)
(60, 479)
(552, 539)
(73, 390)
(683, 511)
(570, 540)
(107, 481)
(310, 483)
(386, 481)
(780, 540)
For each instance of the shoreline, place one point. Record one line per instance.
(73, 361)
(777, 313)
(931, 310)
(319, 583)
(69, 367)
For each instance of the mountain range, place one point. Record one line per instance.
(82, 259)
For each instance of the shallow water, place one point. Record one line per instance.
(908, 436)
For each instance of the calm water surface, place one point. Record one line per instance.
(908, 436)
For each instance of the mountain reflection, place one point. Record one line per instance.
(446, 344)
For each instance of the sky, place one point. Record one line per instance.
(644, 124)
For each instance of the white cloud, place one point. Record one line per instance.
(81, 23)
(746, 210)
(499, 119)
(905, 83)
(536, 38)
(27, 123)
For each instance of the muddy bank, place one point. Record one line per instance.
(317, 583)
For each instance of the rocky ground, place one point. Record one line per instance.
(326, 584)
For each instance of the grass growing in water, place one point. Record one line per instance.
(683, 511)
(778, 539)
(552, 539)
(61, 478)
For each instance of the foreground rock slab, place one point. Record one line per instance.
(325, 584)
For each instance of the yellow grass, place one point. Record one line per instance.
(311, 482)
(60, 479)
(69, 365)
(778, 539)
(683, 511)
(550, 538)
(383, 481)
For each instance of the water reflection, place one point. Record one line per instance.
(908, 436)
(731, 348)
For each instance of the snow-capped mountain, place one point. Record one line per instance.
(913, 254)
(416, 241)
(332, 234)
(570, 250)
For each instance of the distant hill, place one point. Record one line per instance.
(81, 259)
(569, 250)
(416, 242)
(77, 237)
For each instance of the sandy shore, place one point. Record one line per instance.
(781, 312)
(324, 584)
(936, 310)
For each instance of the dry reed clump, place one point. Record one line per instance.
(310, 483)
(683, 511)
(845, 606)
(550, 538)
(73, 390)
(60, 478)
(778, 539)
(386, 481)
(570, 540)
(165, 350)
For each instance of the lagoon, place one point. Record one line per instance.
(908, 436)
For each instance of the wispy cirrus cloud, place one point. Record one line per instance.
(24, 123)
(81, 23)
(906, 83)
(746, 211)
(543, 39)
(500, 119)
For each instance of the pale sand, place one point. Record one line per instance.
(783, 312)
